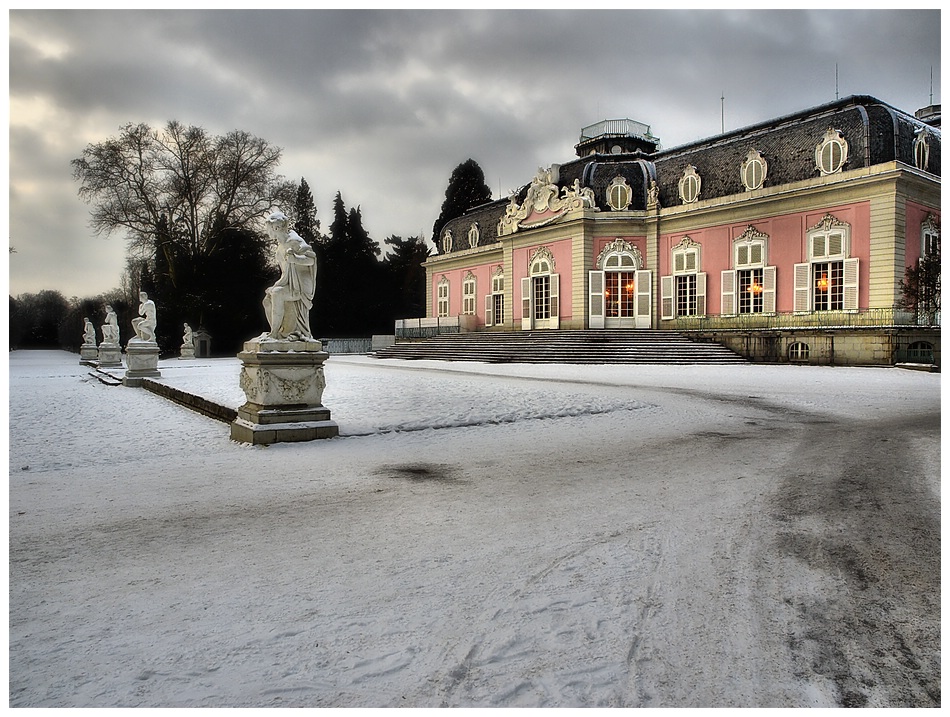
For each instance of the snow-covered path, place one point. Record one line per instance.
(480, 536)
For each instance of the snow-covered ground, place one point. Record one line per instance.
(479, 535)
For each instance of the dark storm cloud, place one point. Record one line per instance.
(382, 105)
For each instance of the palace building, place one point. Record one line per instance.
(786, 240)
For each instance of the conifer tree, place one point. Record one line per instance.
(306, 224)
(466, 189)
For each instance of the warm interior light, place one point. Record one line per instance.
(755, 288)
(630, 288)
(822, 283)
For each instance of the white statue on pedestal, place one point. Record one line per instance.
(89, 332)
(145, 326)
(288, 302)
(188, 339)
(110, 329)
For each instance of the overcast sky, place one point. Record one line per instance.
(383, 105)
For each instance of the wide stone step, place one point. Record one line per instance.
(577, 346)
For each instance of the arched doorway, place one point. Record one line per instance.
(620, 290)
(540, 303)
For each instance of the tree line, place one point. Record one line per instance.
(190, 204)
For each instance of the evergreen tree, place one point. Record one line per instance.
(306, 224)
(920, 287)
(406, 277)
(466, 189)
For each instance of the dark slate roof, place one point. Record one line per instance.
(876, 133)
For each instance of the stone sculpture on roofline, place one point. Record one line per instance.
(142, 350)
(282, 369)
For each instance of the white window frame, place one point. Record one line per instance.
(447, 241)
(753, 170)
(690, 185)
(469, 285)
(497, 290)
(686, 260)
(749, 253)
(828, 242)
(825, 152)
(442, 297)
(929, 235)
(922, 149)
(624, 194)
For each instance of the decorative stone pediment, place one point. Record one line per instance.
(827, 223)
(620, 246)
(931, 224)
(543, 204)
(750, 234)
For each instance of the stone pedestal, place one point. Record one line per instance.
(88, 353)
(110, 356)
(283, 382)
(187, 351)
(142, 359)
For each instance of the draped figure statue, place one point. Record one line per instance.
(288, 302)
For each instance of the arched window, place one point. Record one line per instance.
(753, 170)
(798, 351)
(447, 241)
(832, 152)
(474, 235)
(922, 149)
(540, 302)
(690, 185)
(619, 195)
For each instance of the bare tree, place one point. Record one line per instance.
(183, 178)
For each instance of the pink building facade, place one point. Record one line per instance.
(806, 221)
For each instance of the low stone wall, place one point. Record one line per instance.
(882, 346)
(188, 400)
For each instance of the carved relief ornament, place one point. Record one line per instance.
(620, 246)
(543, 204)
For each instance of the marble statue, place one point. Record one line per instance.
(89, 332)
(144, 326)
(288, 302)
(110, 329)
(188, 339)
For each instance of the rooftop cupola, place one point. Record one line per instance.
(616, 136)
(930, 115)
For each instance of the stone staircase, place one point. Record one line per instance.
(613, 346)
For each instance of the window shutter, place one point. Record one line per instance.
(679, 262)
(489, 309)
(691, 261)
(555, 321)
(526, 303)
(644, 307)
(818, 247)
(742, 255)
(666, 297)
(850, 284)
(728, 307)
(755, 254)
(835, 244)
(701, 293)
(802, 288)
(768, 290)
(595, 315)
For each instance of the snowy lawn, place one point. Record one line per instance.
(479, 535)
